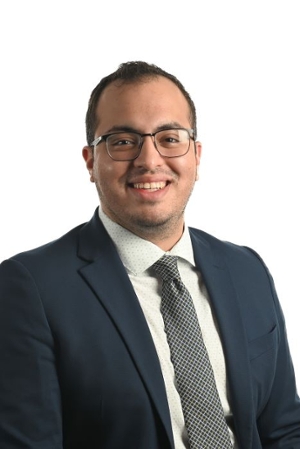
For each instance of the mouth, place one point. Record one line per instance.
(150, 186)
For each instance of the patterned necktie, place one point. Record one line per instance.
(202, 409)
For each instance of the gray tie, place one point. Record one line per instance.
(202, 409)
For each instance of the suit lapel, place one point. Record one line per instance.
(107, 277)
(227, 312)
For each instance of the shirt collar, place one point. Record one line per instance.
(137, 254)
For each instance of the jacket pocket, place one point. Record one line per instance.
(263, 344)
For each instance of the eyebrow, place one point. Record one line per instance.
(118, 128)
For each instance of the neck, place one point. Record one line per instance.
(164, 234)
(164, 240)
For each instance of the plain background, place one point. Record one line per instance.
(240, 62)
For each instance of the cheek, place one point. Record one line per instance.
(185, 168)
(109, 171)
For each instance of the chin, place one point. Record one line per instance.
(155, 220)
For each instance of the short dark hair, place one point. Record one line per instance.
(131, 72)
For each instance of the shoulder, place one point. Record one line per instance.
(48, 258)
(59, 245)
(240, 260)
(63, 256)
(240, 267)
(227, 249)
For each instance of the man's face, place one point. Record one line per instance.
(150, 193)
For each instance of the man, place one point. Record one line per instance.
(87, 360)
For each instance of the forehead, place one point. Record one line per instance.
(145, 101)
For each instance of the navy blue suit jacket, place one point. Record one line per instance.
(78, 365)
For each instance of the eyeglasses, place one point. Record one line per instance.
(127, 146)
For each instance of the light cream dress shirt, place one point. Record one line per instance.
(138, 255)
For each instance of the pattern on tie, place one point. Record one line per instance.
(201, 405)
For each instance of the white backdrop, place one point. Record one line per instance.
(240, 62)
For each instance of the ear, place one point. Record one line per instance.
(88, 156)
(198, 152)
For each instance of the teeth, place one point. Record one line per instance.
(150, 185)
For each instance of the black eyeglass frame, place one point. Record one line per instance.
(104, 137)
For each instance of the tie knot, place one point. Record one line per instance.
(166, 267)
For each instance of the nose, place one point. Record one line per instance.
(149, 157)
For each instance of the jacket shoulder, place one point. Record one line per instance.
(237, 258)
(222, 246)
(59, 245)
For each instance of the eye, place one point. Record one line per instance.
(123, 140)
(168, 137)
(171, 139)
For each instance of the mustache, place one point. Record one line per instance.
(138, 171)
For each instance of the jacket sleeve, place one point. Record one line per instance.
(30, 404)
(279, 421)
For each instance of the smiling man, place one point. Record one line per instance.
(140, 187)
(133, 330)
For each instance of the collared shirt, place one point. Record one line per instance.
(138, 255)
